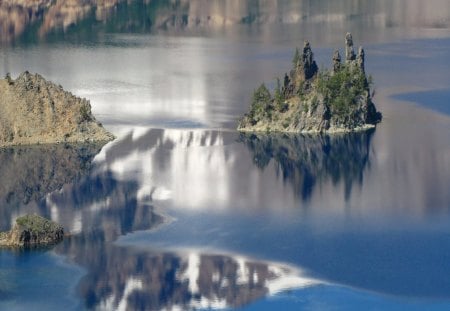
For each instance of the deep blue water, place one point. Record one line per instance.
(438, 100)
(23, 286)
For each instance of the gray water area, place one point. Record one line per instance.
(182, 212)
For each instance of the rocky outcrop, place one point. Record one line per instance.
(337, 100)
(32, 231)
(36, 111)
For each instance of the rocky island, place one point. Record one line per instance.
(314, 101)
(32, 231)
(36, 111)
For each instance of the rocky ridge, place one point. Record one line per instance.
(31, 231)
(36, 111)
(309, 100)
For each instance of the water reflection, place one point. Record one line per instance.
(31, 172)
(201, 170)
(120, 278)
(29, 21)
(100, 205)
(219, 186)
(307, 161)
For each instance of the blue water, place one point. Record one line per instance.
(23, 287)
(437, 100)
(340, 298)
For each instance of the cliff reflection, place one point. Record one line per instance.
(132, 279)
(31, 172)
(307, 161)
(31, 20)
(200, 169)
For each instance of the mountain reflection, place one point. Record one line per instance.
(306, 161)
(30, 20)
(133, 279)
(31, 172)
(97, 205)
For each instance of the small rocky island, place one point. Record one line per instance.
(32, 231)
(36, 111)
(313, 101)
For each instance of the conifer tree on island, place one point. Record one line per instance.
(309, 100)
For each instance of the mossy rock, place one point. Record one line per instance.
(32, 231)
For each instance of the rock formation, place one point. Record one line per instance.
(336, 100)
(307, 66)
(361, 58)
(336, 61)
(349, 52)
(36, 111)
(32, 231)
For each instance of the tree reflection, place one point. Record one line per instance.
(307, 161)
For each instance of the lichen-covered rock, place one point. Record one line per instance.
(32, 231)
(36, 111)
(309, 100)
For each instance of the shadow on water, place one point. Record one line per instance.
(29, 173)
(308, 161)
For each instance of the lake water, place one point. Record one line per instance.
(183, 212)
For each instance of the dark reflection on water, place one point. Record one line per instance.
(96, 207)
(101, 208)
(207, 178)
(152, 280)
(31, 172)
(306, 161)
(25, 21)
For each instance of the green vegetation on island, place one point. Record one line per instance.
(32, 231)
(309, 100)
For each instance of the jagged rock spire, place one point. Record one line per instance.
(336, 61)
(349, 52)
(360, 58)
(308, 64)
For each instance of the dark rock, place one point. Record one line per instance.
(336, 61)
(349, 52)
(361, 58)
(308, 65)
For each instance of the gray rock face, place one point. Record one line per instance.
(361, 58)
(337, 100)
(308, 64)
(32, 231)
(36, 111)
(349, 52)
(305, 67)
(336, 60)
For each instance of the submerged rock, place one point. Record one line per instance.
(36, 111)
(337, 100)
(32, 231)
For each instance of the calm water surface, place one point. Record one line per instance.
(181, 211)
